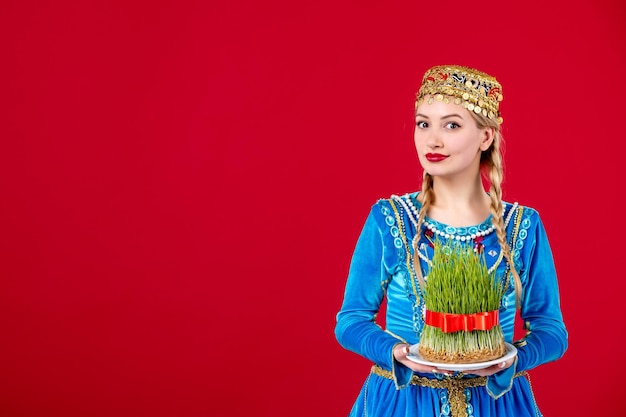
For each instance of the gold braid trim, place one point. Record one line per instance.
(407, 248)
(512, 242)
(455, 387)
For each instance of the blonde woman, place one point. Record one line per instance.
(458, 141)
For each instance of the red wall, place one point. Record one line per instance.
(182, 184)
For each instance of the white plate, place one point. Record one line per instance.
(415, 356)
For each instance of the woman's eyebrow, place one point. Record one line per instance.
(452, 115)
(444, 117)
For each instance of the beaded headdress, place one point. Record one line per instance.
(473, 89)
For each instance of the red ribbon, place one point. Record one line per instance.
(449, 323)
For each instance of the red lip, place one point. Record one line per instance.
(435, 157)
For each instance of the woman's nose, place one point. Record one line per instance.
(434, 139)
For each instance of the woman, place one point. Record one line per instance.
(457, 137)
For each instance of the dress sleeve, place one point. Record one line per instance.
(546, 336)
(356, 328)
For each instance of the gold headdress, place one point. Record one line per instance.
(473, 89)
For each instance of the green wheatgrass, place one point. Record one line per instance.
(459, 282)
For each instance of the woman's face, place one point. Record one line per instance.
(447, 139)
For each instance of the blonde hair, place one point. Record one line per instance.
(491, 162)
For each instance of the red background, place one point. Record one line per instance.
(183, 183)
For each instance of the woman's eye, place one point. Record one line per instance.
(453, 125)
(421, 124)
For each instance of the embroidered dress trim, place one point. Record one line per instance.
(418, 304)
(455, 386)
(512, 244)
(407, 248)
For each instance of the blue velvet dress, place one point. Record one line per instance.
(381, 267)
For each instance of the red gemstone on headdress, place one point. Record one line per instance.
(443, 76)
(493, 92)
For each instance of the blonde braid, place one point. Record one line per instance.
(492, 159)
(428, 197)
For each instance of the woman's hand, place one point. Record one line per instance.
(492, 369)
(400, 353)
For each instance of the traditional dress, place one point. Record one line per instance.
(382, 266)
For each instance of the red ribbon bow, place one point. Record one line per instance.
(449, 323)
